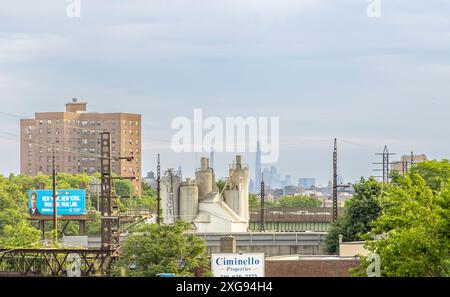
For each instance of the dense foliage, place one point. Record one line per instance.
(412, 234)
(153, 249)
(15, 228)
(359, 212)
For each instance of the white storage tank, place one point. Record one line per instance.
(188, 201)
(170, 187)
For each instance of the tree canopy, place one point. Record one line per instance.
(359, 212)
(411, 235)
(153, 249)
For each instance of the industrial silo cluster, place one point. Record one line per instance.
(200, 202)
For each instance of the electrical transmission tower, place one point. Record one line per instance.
(385, 164)
(110, 224)
(335, 184)
(158, 190)
(262, 226)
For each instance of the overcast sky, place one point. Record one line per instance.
(322, 66)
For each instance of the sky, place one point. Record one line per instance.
(323, 67)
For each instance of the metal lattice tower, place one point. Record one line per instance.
(106, 197)
(335, 193)
(336, 187)
(158, 190)
(263, 210)
(110, 224)
(385, 164)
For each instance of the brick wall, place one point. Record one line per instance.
(309, 268)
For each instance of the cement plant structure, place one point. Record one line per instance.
(201, 203)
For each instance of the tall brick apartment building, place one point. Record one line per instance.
(76, 135)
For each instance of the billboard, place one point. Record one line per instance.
(68, 202)
(237, 265)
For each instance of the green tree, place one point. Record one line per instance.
(254, 201)
(154, 249)
(412, 235)
(220, 185)
(20, 235)
(297, 201)
(147, 198)
(359, 212)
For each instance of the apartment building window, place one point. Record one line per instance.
(57, 131)
(92, 159)
(57, 122)
(131, 123)
(98, 123)
(131, 132)
(49, 150)
(136, 123)
(124, 122)
(49, 131)
(49, 122)
(124, 131)
(29, 136)
(84, 123)
(131, 141)
(137, 132)
(137, 141)
(41, 131)
(84, 141)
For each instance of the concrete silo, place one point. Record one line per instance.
(188, 201)
(205, 179)
(236, 192)
(170, 189)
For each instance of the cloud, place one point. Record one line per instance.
(22, 47)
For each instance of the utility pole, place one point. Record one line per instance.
(263, 196)
(158, 191)
(55, 195)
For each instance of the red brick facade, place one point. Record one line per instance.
(310, 268)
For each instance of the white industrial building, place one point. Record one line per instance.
(200, 202)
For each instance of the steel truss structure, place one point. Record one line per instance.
(52, 262)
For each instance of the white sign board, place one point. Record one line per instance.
(237, 265)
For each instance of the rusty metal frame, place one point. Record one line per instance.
(52, 262)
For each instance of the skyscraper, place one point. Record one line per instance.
(258, 166)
